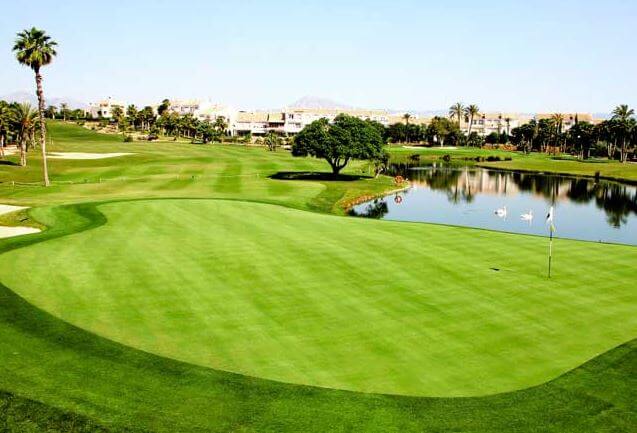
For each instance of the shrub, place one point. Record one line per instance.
(128, 138)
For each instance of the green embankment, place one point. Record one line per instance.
(536, 162)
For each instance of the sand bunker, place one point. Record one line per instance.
(6, 231)
(82, 155)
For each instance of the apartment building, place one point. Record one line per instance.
(104, 108)
(290, 121)
(568, 119)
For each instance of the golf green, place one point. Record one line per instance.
(362, 305)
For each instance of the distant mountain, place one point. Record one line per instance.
(21, 97)
(317, 102)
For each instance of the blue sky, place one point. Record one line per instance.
(502, 55)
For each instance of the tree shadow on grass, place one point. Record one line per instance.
(6, 162)
(312, 175)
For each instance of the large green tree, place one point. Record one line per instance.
(441, 129)
(339, 142)
(35, 49)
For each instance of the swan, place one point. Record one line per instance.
(502, 212)
(527, 216)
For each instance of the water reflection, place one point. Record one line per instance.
(578, 199)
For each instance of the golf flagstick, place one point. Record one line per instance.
(549, 221)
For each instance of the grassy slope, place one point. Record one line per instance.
(532, 162)
(106, 385)
(167, 169)
(96, 382)
(229, 285)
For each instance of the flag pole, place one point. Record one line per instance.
(549, 221)
(550, 249)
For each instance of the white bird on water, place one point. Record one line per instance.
(527, 216)
(502, 212)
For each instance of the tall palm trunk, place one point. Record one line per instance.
(45, 169)
(623, 154)
(23, 152)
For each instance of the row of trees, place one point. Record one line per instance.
(169, 123)
(64, 112)
(614, 138)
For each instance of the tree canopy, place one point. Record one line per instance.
(339, 142)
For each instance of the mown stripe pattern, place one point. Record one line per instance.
(335, 302)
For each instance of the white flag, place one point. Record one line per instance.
(549, 219)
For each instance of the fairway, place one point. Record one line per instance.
(359, 305)
(164, 272)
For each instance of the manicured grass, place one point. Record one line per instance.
(168, 169)
(92, 383)
(306, 298)
(607, 169)
(539, 162)
(286, 294)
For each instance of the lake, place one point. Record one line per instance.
(584, 208)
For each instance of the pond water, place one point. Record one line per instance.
(586, 209)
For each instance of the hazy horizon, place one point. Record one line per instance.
(407, 55)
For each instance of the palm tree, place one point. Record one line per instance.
(406, 116)
(623, 116)
(220, 124)
(456, 111)
(35, 49)
(131, 113)
(51, 111)
(25, 120)
(117, 113)
(5, 120)
(471, 112)
(558, 122)
(64, 107)
(507, 120)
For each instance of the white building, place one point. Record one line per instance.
(488, 123)
(568, 119)
(184, 106)
(104, 108)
